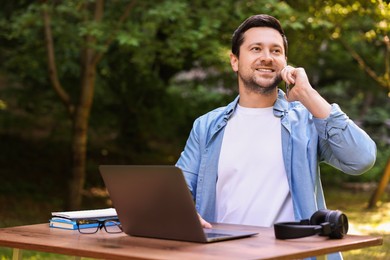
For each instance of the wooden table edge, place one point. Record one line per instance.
(372, 241)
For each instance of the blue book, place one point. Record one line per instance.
(69, 224)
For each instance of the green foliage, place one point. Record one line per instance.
(143, 107)
(167, 64)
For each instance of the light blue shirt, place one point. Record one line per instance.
(306, 141)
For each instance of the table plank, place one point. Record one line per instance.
(41, 237)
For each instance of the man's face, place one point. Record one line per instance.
(262, 58)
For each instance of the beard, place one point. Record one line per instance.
(252, 85)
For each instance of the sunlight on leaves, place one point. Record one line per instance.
(3, 105)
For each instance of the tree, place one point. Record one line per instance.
(381, 186)
(79, 111)
(84, 31)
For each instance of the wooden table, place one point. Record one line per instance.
(40, 237)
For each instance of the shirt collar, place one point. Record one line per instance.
(280, 106)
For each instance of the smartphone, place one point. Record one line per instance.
(288, 88)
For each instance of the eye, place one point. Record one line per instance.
(277, 51)
(256, 49)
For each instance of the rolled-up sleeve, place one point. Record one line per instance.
(343, 144)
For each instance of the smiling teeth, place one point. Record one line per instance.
(266, 70)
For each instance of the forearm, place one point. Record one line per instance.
(315, 103)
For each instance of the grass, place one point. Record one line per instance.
(23, 210)
(363, 221)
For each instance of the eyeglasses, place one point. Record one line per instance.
(91, 226)
(88, 226)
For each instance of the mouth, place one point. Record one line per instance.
(265, 70)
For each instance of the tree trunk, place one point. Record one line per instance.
(381, 186)
(79, 147)
(80, 132)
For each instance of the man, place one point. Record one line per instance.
(255, 161)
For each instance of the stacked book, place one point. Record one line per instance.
(68, 219)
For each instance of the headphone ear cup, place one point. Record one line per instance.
(338, 223)
(318, 217)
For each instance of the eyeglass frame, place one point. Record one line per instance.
(101, 224)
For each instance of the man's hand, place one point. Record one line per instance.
(297, 78)
(204, 223)
(303, 92)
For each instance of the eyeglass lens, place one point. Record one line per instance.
(112, 226)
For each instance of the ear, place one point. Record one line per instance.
(234, 62)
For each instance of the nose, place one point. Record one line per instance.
(266, 56)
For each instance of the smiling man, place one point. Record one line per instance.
(255, 161)
(259, 61)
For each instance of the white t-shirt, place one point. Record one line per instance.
(252, 186)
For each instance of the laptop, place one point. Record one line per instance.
(155, 202)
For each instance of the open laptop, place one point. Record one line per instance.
(155, 202)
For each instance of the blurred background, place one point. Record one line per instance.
(90, 82)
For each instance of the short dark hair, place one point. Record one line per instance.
(259, 20)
